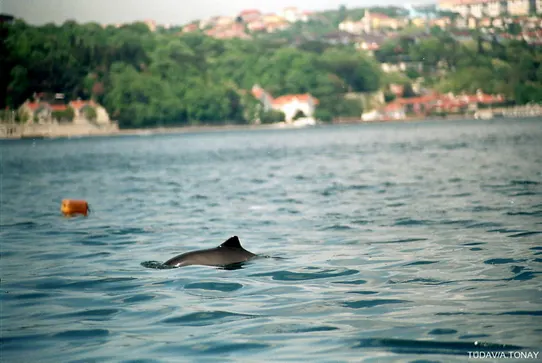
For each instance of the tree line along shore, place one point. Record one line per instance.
(167, 78)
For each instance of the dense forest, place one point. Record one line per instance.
(512, 68)
(146, 78)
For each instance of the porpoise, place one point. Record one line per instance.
(228, 253)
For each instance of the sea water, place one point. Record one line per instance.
(399, 242)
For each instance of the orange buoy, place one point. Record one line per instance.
(71, 207)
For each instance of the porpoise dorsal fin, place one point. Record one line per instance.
(232, 242)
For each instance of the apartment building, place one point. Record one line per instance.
(492, 8)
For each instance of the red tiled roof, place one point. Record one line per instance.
(33, 105)
(78, 104)
(282, 100)
(257, 92)
(250, 12)
(190, 27)
(58, 107)
(379, 16)
(257, 25)
(394, 106)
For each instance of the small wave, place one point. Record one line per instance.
(7, 341)
(421, 281)
(354, 282)
(505, 230)
(216, 286)
(211, 348)
(524, 276)
(418, 263)
(455, 146)
(524, 234)
(138, 298)
(336, 227)
(484, 225)
(20, 225)
(411, 222)
(442, 331)
(514, 313)
(536, 213)
(257, 181)
(115, 283)
(82, 334)
(362, 304)
(301, 276)
(474, 336)
(524, 182)
(363, 292)
(207, 318)
(500, 261)
(32, 296)
(473, 243)
(93, 314)
(233, 347)
(405, 240)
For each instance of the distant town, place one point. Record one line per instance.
(404, 93)
(370, 30)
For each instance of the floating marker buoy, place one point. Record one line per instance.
(71, 207)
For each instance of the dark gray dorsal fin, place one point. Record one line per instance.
(233, 242)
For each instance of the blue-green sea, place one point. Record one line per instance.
(399, 242)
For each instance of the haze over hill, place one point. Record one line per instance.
(162, 11)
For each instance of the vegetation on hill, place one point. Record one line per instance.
(147, 79)
(512, 68)
(166, 78)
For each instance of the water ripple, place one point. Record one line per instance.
(206, 318)
(399, 242)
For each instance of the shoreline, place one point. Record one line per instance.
(225, 127)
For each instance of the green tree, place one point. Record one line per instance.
(90, 113)
(272, 116)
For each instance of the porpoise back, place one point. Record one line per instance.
(228, 253)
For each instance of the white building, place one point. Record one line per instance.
(519, 7)
(491, 8)
(293, 14)
(292, 104)
(354, 27)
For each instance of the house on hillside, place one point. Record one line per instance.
(40, 112)
(189, 28)
(234, 30)
(151, 24)
(370, 42)
(377, 21)
(290, 105)
(438, 103)
(339, 37)
(250, 15)
(350, 26)
(263, 96)
(85, 111)
(256, 26)
(273, 27)
(76, 112)
(293, 14)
